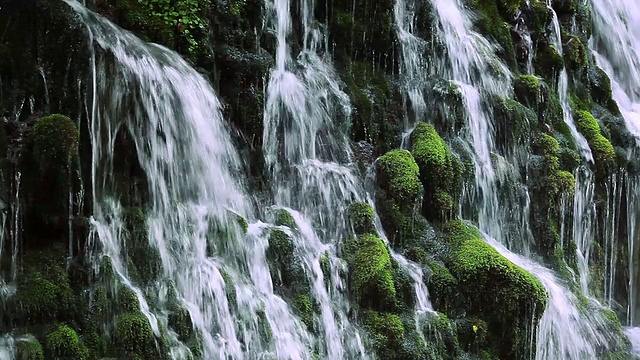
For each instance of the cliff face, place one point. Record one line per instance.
(495, 112)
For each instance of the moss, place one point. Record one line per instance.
(371, 273)
(493, 19)
(230, 288)
(362, 217)
(284, 218)
(575, 53)
(599, 86)
(304, 308)
(527, 89)
(443, 334)
(398, 174)
(540, 18)
(387, 333)
(513, 123)
(440, 171)
(63, 342)
(144, 259)
(548, 62)
(442, 287)
(564, 182)
(55, 141)
(134, 336)
(602, 149)
(29, 349)
(242, 222)
(325, 266)
(180, 321)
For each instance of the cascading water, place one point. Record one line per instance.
(307, 150)
(563, 331)
(174, 119)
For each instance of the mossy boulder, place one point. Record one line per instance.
(601, 148)
(387, 333)
(55, 141)
(29, 349)
(399, 197)
(440, 172)
(575, 53)
(493, 21)
(548, 62)
(527, 90)
(371, 272)
(134, 336)
(599, 86)
(144, 259)
(362, 218)
(442, 287)
(284, 218)
(63, 342)
(494, 289)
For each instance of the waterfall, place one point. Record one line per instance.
(173, 119)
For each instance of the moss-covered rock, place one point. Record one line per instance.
(305, 309)
(63, 342)
(387, 333)
(55, 141)
(575, 53)
(371, 273)
(400, 193)
(494, 289)
(134, 336)
(527, 89)
(548, 62)
(440, 172)
(493, 18)
(284, 218)
(362, 218)
(442, 287)
(602, 149)
(144, 259)
(29, 349)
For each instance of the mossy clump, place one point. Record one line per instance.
(284, 218)
(55, 141)
(527, 89)
(513, 123)
(63, 342)
(29, 349)
(442, 287)
(494, 289)
(144, 260)
(387, 333)
(575, 53)
(602, 149)
(134, 336)
(444, 334)
(440, 172)
(599, 86)
(493, 18)
(548, 62)
(304, 308)
(371, 273)
(362, 218)
(398, 199)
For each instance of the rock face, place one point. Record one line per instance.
(55, 286)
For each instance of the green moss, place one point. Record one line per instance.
(29, 349)
(440, 171)
(548, 62)
(575, 53)
(242, 222)
(127, 300)
(229, 287)
(134, 336)
(398, 174)
(180, 321)
(362, 218)
(442, 286)
(492, 21)
(325, 266)
(599, 86)
(55, 141)
(564, 182)
(304, 308)
(527, 89)
(284, 218)
(442, 334)
(371, 273)
(63, 342)
(387, 333)
(602, 149)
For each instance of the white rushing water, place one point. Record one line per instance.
(173, 117)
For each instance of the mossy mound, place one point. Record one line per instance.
(527, 90)
(575, 53)
(494, 289)
(29, 349)
(144, 260)
(493, 21)
(387, 333)
(548, 62)
(400, 193)
(134, 336)
(362, 218)
(371, 272)
(63, 342)
(602, 149)
(440, 172)
(55, 141)
(284, 218)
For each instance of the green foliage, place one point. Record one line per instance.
(134, 336)
(442, 286)
(362, 217)
(29, 349)
(493, 19)
(575, 53)
(55, 141)
(398, 174)
(63, 342)
(304, 308)
(371, 273)
(167, 20)
(548, 62)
